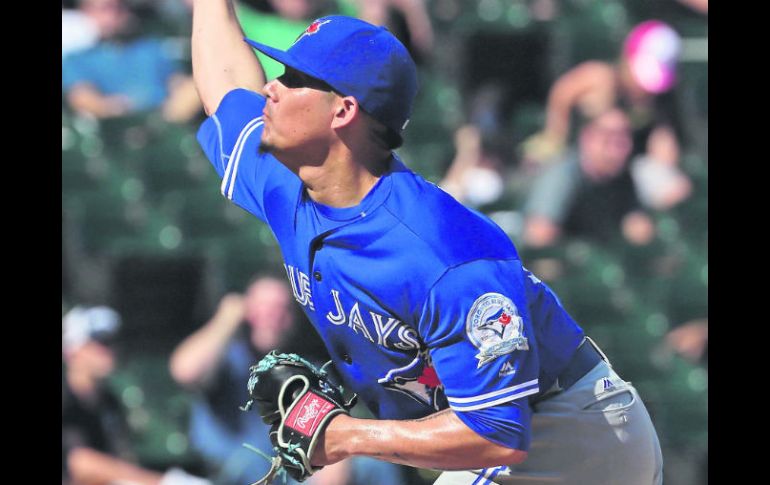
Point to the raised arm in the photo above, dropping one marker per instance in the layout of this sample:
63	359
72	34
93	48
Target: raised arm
590	86
440	441
591	78
83	97
221	60
195	359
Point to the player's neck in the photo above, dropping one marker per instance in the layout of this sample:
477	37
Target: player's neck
338	186
342	180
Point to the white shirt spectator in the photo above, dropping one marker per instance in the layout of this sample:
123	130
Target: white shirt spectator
77	31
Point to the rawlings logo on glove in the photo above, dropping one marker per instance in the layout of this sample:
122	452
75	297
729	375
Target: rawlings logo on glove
298	400
306	417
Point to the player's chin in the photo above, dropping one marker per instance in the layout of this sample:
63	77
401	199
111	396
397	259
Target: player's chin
266	147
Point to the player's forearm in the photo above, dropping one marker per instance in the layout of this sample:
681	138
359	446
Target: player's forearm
440	441
221	60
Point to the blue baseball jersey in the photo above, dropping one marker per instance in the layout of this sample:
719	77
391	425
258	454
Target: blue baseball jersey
423	303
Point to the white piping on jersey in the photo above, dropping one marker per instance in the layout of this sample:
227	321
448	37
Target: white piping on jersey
229	164
389	376
512	397
222	155
461	400
494	474
235	157
238	157
487	474
483	475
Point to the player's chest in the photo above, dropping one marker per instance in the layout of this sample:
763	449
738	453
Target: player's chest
350	281
350	303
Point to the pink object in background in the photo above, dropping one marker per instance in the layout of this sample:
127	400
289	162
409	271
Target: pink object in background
652	49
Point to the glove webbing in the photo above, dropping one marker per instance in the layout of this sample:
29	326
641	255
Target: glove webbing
271	360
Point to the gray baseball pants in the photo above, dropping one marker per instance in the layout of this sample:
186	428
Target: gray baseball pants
597	432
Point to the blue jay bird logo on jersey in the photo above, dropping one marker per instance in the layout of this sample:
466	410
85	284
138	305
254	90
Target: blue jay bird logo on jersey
495	327
497	322
418	380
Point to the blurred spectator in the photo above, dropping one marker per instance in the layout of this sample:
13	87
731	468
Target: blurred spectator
590	193
700	6
78	31
96	446
690	340
125	72
475	177
172	18
215	361
640	82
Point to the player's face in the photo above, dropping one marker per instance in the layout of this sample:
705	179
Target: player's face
297	115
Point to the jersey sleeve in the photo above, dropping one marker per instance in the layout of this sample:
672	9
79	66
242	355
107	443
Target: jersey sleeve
230	139
478	331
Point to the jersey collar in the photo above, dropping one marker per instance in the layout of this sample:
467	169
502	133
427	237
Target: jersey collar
376	196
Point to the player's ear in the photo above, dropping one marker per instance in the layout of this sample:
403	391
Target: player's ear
345	111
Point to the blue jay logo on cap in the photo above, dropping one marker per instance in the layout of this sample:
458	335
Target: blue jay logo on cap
495	327
312	29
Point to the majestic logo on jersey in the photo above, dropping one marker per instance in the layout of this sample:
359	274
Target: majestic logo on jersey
506	370
418	380
312	29
495	327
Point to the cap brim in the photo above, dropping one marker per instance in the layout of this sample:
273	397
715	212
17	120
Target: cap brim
283	57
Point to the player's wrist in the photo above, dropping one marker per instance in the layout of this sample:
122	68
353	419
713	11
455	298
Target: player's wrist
337	441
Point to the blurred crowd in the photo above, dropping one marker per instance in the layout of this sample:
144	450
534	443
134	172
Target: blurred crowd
579	126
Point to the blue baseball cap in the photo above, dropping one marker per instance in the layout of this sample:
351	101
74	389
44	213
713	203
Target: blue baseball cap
357	59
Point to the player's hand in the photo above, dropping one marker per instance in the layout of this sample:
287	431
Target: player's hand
299	402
